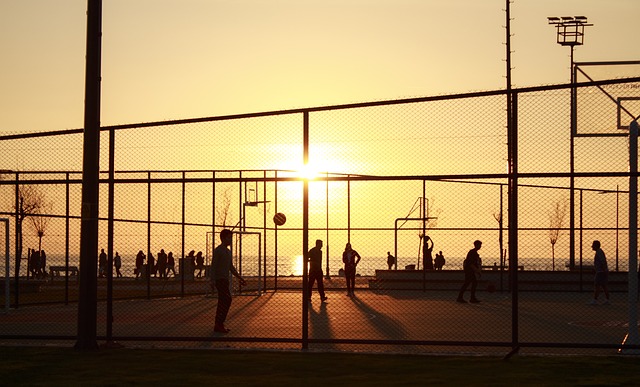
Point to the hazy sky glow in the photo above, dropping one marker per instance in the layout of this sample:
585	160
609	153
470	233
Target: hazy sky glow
171	59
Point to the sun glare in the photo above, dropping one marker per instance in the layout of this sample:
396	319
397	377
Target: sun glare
309	171
296	265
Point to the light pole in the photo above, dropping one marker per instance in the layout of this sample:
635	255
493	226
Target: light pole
570	32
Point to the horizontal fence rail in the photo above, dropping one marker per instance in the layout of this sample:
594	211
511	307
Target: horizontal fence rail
380	176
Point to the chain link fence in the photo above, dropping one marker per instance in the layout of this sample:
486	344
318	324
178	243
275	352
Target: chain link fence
380	176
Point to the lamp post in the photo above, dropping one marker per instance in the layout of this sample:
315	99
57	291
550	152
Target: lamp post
570	32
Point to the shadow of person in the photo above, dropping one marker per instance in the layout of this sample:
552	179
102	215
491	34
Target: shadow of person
385	326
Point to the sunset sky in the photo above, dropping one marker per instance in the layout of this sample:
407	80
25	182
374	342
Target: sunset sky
173	59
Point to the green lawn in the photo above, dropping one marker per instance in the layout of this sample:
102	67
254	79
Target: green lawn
35	366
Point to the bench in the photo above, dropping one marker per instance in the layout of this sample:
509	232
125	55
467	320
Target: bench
57	271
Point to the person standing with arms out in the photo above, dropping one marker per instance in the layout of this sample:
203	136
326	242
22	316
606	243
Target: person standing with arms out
350	258
472	272
221	266
314	257
602	274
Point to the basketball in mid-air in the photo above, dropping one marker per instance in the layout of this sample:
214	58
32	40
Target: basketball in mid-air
279	219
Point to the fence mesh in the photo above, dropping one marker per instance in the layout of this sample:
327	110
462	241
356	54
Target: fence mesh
381	176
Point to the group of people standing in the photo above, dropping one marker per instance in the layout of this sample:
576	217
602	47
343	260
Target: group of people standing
161	268
350	259
103	263
37	263
428	262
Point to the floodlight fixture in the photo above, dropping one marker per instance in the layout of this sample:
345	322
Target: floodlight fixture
570	29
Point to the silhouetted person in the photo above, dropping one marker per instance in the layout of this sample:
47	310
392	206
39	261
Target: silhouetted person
438	263
391	260
162	264
472	272
602	273
102	264
171	264
139	263
43	263
33	262
350	258
151	265
314	257
427	257
117	263
221	266
199	264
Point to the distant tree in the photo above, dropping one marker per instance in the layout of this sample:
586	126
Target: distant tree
31	200
556	222
40	223
223	209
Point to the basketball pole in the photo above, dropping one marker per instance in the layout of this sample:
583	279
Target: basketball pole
632	338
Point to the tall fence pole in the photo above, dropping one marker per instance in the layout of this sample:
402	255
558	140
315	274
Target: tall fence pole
87	304
7	266
305	235
632	338
513	219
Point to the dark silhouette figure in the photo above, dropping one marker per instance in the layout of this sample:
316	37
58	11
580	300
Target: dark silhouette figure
139	263
472	272
314	257
151	265
171	264
350	258
162	264
391	260
427	257
438	263
34	262
199	264
221	266
43	263
117	263
602	273
102	264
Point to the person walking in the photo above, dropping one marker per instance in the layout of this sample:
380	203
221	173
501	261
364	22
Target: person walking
199	264
117	262
171	264
221	266
350	258
314	257
472	272
602	273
